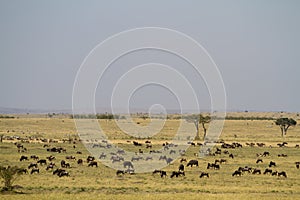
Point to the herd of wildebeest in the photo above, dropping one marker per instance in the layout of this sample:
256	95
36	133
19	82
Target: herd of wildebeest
60	167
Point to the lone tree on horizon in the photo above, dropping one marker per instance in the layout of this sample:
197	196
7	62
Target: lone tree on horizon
199	119
284	124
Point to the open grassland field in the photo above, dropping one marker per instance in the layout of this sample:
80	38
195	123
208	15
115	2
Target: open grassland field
102	182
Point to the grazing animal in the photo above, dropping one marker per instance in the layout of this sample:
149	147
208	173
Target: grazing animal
50	166
163	174
297	164
35	170
70	158
31	165
237	173
93	163
90	159
42	162
50	158
231	156
282	155
128	164
213	165
34	157
120	172
80	161
174	173
203	174
169	160
61	172
172	151
193	162
23	158
103	155
272	164
268	171
156	171
256	171
259	160
181	167
266	153
183	160
282	174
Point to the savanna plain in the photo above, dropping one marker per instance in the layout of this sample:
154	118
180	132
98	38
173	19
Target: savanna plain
36	133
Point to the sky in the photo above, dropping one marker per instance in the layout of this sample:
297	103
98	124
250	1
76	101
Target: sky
255	45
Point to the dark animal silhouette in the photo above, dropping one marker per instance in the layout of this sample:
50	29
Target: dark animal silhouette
35	170
93	163
128	164
23	158
272	164
203	174
177	174
268	171
193	162
181	167
237	173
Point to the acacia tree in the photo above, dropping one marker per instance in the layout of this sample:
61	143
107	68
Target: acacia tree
199	119
284	124
9	175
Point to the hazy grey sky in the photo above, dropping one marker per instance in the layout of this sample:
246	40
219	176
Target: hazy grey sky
255	44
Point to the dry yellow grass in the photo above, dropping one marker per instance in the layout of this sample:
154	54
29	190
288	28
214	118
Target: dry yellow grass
102	183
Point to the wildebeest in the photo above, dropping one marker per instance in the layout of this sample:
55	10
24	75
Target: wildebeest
183	160
297	164
163	174
179	173
256	171
35	170
42	162
169	160
118	172
90	159
266	153
213	165
181	167
282	174
272	164
61	172
93	163
149	158
156	171
136	143
121	151
80	161
231	156
237	173
259	160
23	158
34	157
50	158
172	151
163	158
136	158
193	162
50	166
31	165
103	155
70	158
282	155
128	164
203	174
268	171
64	164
